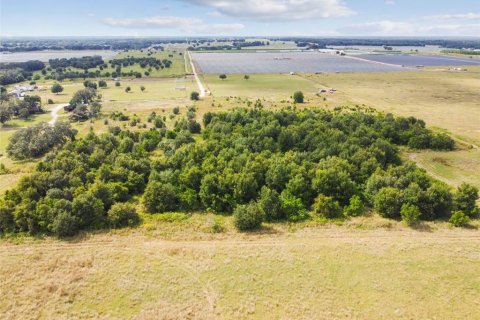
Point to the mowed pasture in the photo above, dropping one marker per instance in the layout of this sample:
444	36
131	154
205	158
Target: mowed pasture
312	273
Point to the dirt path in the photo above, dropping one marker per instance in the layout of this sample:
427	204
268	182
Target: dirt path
54	113
197	78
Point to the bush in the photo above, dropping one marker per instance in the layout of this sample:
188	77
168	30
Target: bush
223	76
65	225
465	199
270	204
194	96
326	207
159	198
298	97
388	202
248	217
292	207
176	110
355	207
50	101
102	84
410	214
459	219
117	84
123	215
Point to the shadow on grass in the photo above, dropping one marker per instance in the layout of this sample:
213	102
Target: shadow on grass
422	226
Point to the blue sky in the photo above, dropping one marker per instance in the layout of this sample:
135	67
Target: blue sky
240	17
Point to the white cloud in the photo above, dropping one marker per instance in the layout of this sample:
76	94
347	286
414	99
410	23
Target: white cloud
186	25
408	28
390	2
462	16
214	14
278	10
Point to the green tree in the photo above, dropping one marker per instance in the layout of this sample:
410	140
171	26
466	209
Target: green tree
128	89
194	96
142	88
160	197
388	202
270	204
102	84
298	97
56	88
246	77
464	200
222	76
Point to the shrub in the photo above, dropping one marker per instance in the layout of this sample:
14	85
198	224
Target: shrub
50	101
176	110
123	215
128	89
194	96
459	219
102	84
355	207
223	76
292	207
410	214
159	198
270	204
326	207
388	202
298	97
248	217
65	225
117	84
465	199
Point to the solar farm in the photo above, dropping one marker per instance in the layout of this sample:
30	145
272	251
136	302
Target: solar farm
313	62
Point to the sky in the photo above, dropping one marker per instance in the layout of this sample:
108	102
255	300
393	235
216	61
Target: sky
342	18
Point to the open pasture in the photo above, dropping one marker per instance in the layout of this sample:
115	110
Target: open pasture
283	62
178	270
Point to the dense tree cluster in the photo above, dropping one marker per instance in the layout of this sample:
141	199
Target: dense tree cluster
35	141
84	63
12	107
142	61
16	72
259	165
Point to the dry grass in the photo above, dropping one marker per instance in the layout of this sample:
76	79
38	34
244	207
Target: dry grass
178	270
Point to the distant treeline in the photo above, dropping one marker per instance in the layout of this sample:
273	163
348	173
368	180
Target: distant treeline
80	63
236	45
322	43
15	72
465	52
143	62
21	45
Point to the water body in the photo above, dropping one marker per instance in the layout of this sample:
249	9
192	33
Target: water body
44	56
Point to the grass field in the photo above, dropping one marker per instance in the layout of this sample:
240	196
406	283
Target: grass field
179	270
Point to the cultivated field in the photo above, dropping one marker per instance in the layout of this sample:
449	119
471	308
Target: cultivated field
166	270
